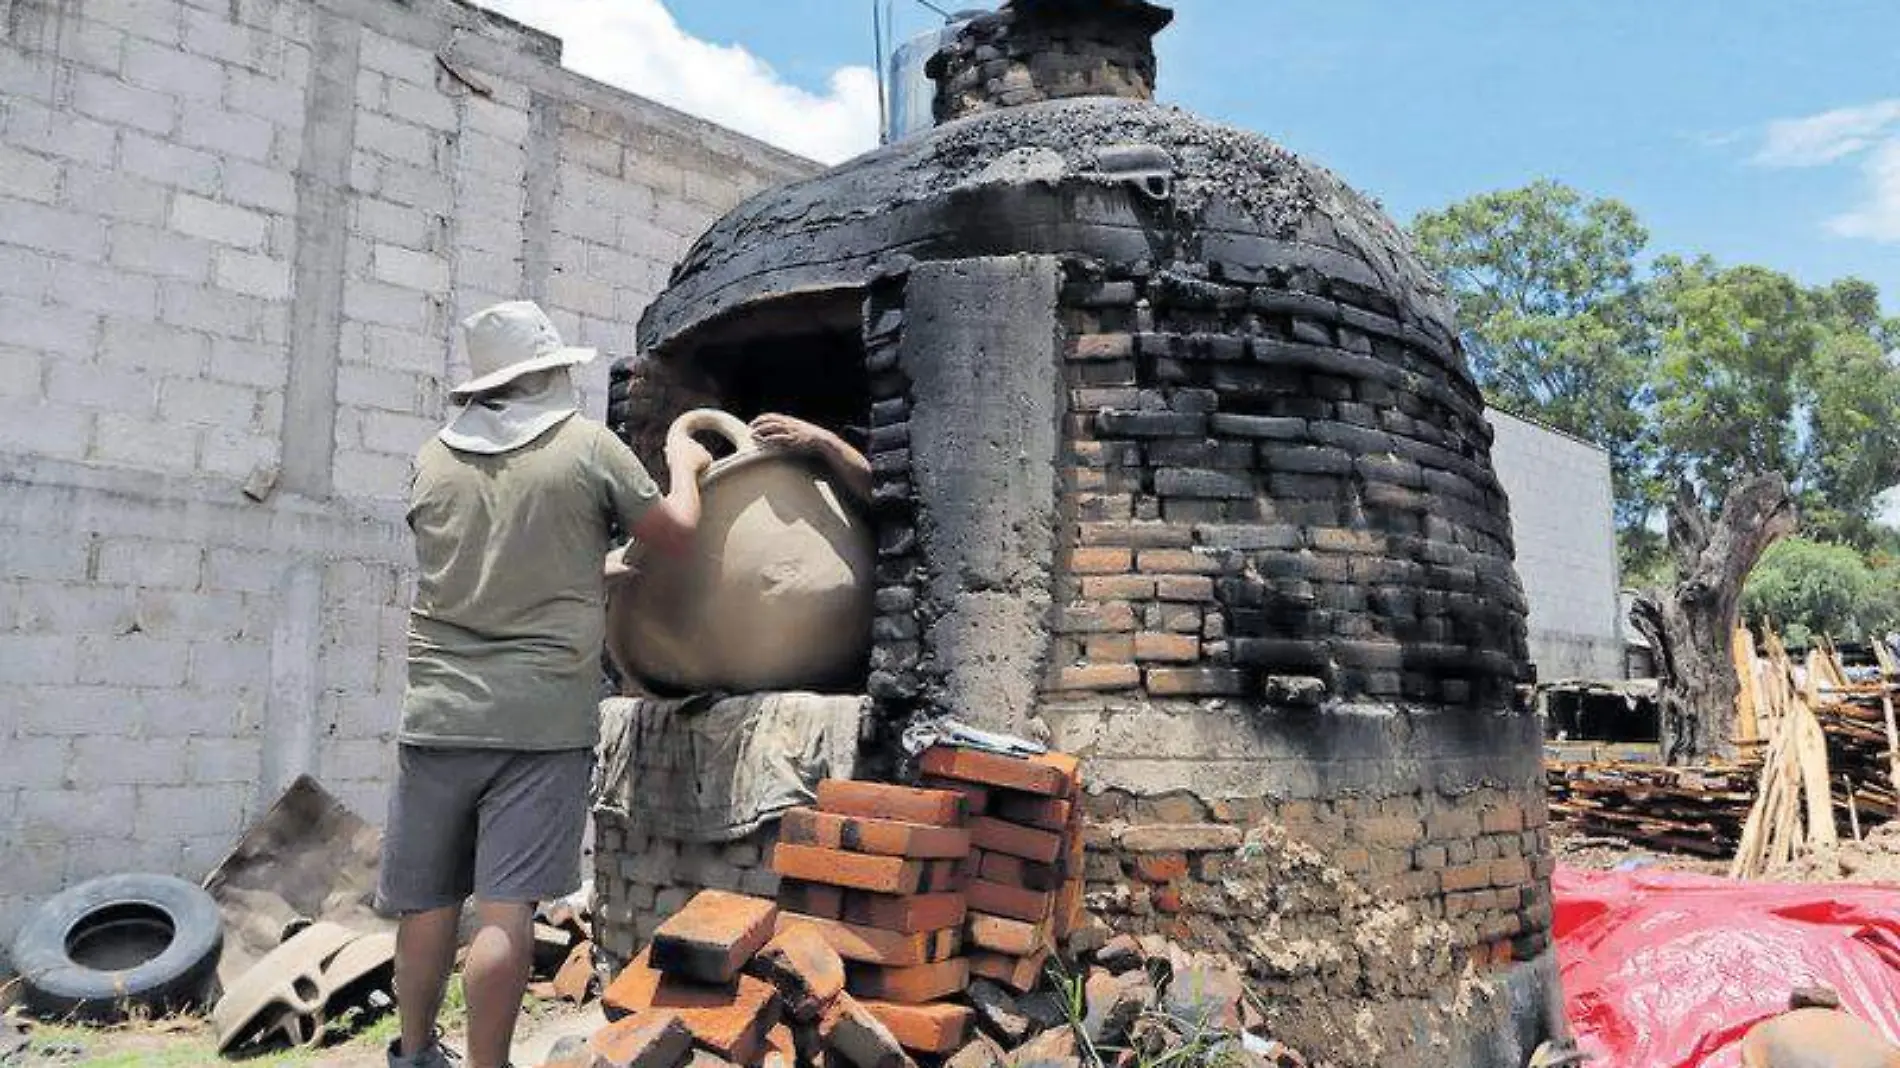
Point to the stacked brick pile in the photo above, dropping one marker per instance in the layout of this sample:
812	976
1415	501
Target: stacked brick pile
1025	893
877	871
725	984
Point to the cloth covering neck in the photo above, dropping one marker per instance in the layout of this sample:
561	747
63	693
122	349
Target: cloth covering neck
495	424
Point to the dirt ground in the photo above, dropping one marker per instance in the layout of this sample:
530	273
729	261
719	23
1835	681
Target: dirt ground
1874	859
188	1042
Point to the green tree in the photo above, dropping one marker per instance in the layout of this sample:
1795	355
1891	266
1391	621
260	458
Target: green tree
1552	316
1758	373
1804	588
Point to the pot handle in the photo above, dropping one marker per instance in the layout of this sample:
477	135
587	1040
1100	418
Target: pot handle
713	421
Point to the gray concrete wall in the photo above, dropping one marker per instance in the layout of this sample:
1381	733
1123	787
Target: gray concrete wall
1563	523
234	242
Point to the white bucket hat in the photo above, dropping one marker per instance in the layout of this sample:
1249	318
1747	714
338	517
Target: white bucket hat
511	339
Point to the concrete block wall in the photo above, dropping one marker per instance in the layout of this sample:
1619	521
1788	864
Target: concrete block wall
1563	522
234	242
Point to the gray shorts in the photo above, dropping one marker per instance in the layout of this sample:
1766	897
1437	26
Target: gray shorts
501	824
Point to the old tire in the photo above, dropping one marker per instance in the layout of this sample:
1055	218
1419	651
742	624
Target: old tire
98	950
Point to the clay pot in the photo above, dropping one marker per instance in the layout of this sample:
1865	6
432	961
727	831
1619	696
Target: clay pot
775	592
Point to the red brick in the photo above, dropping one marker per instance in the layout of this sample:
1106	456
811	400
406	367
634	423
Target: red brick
1029	843
1048	774
1011	901
864	834
999	934
1178	561
1166	899
1100	617
1193	588
1097	677
920	912
1161	867
713	936
730	1019
1170	648
1071	912
859	1038
803	967
1511	872
1049	813
1465	877
648	1040
846	797
1109	648
870	945
935	1028
781	1048
1020	974
1101	561
1015	871
1103	347
909	986
1504	819
812	899
1180	838
1117	588
859	871
976	799
1193	682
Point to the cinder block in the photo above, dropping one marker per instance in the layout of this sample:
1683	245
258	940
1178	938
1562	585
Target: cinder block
168	163
214	221
40	763
105	97
228	133
113	761
713	936
72	814
51	230
131	660
149	562
186	811
396	140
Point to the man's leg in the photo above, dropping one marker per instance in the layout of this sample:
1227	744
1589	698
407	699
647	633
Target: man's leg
528	850
425	952
495	976
428	869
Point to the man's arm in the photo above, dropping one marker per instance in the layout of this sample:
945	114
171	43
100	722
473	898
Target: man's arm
668	526
848	464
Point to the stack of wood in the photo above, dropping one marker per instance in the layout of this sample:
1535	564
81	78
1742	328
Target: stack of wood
1819	759
1686	810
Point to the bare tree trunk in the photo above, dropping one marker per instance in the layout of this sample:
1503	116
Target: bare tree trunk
1690	628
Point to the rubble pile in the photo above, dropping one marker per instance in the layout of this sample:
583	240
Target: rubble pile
941	923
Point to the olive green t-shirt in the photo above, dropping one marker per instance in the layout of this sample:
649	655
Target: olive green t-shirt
510	610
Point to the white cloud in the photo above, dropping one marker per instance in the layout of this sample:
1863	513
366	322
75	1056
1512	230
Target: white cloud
636	45
1829	136
1871	131
1878	217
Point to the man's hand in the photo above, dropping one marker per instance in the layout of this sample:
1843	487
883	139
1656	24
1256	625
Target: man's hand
686	456
784	432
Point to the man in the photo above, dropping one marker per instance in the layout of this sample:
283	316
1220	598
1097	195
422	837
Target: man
511	509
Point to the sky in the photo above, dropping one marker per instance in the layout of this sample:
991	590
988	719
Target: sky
1757	131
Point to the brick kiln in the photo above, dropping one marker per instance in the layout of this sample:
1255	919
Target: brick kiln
1180	467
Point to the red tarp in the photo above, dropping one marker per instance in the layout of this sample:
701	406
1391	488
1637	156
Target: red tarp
1666	970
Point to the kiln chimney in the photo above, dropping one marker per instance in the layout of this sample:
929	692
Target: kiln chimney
1035	50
